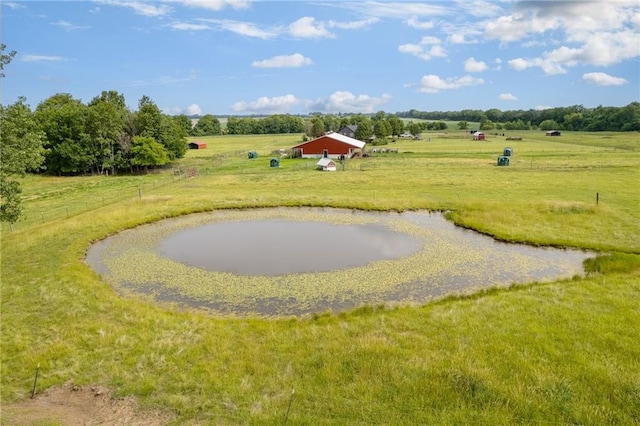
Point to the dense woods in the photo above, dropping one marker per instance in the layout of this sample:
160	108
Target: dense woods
577	118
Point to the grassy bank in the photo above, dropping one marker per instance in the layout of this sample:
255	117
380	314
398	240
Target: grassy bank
564	352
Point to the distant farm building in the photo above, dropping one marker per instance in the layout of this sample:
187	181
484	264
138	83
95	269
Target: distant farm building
327	164
478	136
197	145
349	130
332	145
553	133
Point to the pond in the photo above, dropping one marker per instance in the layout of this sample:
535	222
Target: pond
297	261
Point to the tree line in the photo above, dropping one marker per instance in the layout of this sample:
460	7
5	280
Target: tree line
573	118
64	136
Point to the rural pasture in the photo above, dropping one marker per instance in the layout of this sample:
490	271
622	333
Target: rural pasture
561	352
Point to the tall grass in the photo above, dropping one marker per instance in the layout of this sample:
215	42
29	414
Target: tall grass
556	353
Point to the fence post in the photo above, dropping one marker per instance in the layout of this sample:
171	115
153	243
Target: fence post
289	408
35	382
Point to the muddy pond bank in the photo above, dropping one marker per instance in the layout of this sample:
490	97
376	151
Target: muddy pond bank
296	261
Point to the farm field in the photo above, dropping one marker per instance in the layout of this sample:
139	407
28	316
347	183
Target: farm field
556	353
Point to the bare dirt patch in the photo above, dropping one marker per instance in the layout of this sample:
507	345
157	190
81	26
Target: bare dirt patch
72	405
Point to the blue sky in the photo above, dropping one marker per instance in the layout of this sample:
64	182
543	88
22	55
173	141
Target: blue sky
265	57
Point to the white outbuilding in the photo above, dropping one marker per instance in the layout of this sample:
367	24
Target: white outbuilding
326	164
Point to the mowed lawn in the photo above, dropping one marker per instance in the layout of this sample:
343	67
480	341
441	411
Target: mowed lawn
555	353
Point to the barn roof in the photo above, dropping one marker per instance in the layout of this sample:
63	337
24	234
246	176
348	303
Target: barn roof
341	138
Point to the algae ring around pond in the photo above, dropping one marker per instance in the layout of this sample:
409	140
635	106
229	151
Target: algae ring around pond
296	261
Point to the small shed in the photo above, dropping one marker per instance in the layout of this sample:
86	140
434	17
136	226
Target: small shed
274	162
507	152
197	145
503	160
326	164
253	154
553	133
478	136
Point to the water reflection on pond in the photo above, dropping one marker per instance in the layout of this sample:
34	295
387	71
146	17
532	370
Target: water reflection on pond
290	261
278	247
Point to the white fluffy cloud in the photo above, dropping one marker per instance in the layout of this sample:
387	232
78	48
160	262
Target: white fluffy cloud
507	97
68	26
41	58
139	7
602	49
307	27
591	32
433	84
189	27
414	22
398	10
471	65
214	4
265	105
193	109
340	101
246	29
427	48
283	61
344	101
352	25
602	79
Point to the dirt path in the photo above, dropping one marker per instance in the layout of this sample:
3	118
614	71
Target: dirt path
71	405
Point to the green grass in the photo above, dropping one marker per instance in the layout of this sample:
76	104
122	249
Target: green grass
556	353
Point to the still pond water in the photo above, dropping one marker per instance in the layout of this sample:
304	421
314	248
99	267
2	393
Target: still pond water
299	261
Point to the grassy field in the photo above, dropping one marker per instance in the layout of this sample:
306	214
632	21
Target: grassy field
557	353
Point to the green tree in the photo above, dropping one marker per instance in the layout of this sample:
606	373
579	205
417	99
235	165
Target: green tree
486	124
150	122
365	127
207	125
627	118
549	125
317	126
331	123
5	58
105	126
63	120
148	118
173	138
146	152
463	125
397	125
21	150
382	129
415	128
184	122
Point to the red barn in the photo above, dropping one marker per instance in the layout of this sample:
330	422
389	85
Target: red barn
197	145
331	145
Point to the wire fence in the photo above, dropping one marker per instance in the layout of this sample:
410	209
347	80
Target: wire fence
42	208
